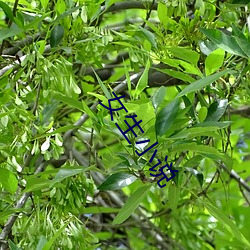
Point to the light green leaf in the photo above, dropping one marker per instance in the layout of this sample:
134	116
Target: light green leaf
158	97
173	196
143	81
202	114
132	203
8	180
34	183
70	101
49	244
214	61
66	172
104	89
186	54
177	74
162	12
98	210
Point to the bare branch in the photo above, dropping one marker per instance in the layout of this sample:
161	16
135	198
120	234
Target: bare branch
236	177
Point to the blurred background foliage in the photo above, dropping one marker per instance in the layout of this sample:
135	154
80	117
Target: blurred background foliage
68	178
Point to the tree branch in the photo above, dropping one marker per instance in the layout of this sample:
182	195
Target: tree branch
236	177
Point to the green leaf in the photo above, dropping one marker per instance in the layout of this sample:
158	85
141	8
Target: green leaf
186	54
227	223
9	32
166	117
104	89
49	244
70	101
214	61
49	110
216	110
66	172
44	3
193	132
132	203
7	10
8	180
99	210
173	196
9	211
162	12
197	85
13	246
56	35
147	35
177	74
202	114
223	41
219	125
34	183
41	243
143	81
158	97
117	181
198	175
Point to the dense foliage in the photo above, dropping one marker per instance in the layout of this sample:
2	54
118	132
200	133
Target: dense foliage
68	177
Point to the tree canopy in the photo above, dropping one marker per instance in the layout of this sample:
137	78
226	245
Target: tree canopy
167	166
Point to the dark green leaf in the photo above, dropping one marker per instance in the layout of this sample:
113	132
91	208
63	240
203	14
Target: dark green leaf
216	110
117	181
198	175
245	2
166	117
13	246
7	10
223	41
56	35
197	85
